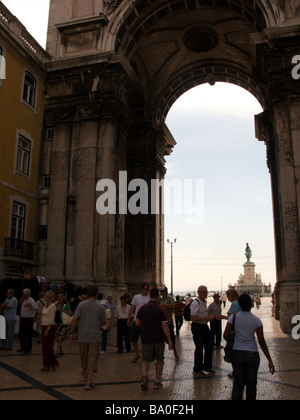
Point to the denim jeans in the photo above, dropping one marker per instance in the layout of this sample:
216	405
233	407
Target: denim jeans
245	369
178	322
203	341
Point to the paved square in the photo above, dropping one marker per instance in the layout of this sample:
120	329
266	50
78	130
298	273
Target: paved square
119	379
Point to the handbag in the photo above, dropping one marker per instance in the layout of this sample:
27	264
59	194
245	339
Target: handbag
66	319
229	346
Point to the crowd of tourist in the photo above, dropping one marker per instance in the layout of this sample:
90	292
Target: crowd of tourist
149	315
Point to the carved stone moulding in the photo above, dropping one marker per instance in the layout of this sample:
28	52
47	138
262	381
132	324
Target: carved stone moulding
81	34
201	39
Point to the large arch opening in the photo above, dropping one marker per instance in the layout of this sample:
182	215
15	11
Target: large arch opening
175	46
215	135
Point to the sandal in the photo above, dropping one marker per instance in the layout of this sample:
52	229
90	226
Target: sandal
135	359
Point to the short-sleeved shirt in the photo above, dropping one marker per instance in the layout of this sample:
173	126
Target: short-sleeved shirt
199	308
235	307
179	307
168	301
90	314
138	301
215	309
11	313
152	315
246	325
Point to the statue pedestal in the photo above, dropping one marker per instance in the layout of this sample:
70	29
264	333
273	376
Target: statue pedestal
249	273
251	282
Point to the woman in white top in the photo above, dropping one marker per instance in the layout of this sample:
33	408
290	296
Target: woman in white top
48	333
246	359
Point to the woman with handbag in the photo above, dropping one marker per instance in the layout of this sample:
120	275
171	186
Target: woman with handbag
245	356
63	321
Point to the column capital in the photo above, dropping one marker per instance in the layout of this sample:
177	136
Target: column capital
275	53
148	145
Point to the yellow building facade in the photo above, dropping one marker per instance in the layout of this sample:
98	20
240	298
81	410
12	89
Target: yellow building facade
21	120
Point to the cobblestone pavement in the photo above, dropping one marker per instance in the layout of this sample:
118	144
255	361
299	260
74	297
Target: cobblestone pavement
119	379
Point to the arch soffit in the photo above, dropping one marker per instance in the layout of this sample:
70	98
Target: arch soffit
196	75
134	20
128	16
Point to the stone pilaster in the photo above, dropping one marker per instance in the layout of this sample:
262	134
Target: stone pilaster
89	144
144	246
283	131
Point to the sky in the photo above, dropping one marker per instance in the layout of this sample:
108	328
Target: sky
214	131
215	135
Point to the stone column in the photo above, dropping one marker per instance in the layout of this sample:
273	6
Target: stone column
108	267
57	220
276	54
286	121
144	239
89	144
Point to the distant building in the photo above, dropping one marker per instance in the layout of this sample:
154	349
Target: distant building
22	87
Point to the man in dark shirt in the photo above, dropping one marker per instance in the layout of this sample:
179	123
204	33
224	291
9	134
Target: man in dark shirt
153	319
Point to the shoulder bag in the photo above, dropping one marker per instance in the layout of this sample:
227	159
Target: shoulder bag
229	346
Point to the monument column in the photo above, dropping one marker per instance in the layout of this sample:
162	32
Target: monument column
276	52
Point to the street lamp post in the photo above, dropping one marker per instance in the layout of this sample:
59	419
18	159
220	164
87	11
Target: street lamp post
172	278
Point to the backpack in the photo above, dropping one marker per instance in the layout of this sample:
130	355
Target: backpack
187	311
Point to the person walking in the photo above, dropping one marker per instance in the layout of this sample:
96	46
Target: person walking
113	307
179	307
10	307
135	331
28	313
258	301
123	330
215	309
168	303
63	311
152	319
90	315
106	328
48	333
201	334
246	359
224	300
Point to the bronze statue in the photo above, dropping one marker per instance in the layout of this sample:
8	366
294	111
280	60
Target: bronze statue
248	252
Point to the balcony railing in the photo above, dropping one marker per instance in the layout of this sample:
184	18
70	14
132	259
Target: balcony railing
20	249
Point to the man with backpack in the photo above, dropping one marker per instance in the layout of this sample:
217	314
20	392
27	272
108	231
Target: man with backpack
201	334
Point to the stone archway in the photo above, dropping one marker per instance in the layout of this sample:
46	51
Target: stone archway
116	68
178	45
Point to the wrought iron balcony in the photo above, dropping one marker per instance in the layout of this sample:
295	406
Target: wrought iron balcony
17	248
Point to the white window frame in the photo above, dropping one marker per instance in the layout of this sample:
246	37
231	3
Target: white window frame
31	89
17	168
20	217
23	155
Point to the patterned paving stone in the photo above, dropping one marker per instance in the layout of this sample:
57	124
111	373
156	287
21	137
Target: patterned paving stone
118	379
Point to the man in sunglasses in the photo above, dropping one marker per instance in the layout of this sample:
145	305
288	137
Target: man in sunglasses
137	302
